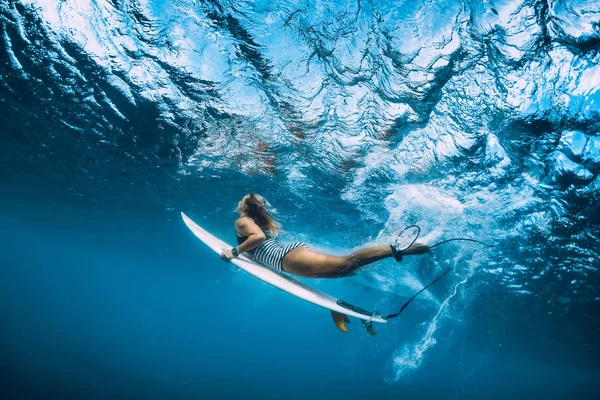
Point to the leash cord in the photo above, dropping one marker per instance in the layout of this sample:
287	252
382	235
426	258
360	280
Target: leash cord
441	275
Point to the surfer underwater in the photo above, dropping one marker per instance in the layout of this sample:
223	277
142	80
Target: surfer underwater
256	232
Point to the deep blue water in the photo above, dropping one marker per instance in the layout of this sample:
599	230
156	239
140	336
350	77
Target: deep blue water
354	119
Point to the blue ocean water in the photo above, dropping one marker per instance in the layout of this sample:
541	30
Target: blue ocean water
354	119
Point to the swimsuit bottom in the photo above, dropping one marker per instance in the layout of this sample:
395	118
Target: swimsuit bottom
271	252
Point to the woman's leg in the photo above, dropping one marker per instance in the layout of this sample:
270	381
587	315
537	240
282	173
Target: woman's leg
305	262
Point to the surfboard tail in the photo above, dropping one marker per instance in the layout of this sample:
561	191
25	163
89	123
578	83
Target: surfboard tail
341	319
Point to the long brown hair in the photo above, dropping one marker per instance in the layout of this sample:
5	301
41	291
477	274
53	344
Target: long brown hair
256	209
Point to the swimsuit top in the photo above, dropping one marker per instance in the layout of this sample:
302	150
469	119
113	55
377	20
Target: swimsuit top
242	239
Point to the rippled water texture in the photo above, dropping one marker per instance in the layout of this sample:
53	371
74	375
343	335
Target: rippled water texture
354	118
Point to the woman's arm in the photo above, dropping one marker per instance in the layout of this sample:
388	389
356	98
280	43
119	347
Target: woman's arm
246	227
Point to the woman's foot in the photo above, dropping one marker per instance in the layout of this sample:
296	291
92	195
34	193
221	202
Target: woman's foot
415	248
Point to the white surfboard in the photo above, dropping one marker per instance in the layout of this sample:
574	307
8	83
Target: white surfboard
281	280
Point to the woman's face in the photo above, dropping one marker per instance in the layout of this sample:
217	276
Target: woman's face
241	205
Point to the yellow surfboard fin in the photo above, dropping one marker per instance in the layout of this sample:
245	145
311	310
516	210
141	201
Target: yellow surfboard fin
339	320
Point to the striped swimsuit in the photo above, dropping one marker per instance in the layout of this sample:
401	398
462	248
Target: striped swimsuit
271	251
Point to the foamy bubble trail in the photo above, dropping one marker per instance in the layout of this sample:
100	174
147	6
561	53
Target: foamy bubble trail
441	216
411	356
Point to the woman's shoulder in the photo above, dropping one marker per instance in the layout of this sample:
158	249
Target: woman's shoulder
243	221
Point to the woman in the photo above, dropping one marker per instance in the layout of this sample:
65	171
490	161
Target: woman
256	234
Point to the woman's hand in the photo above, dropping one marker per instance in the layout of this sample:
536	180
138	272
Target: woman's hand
227	256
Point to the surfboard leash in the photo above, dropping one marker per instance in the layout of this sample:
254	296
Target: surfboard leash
369	324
